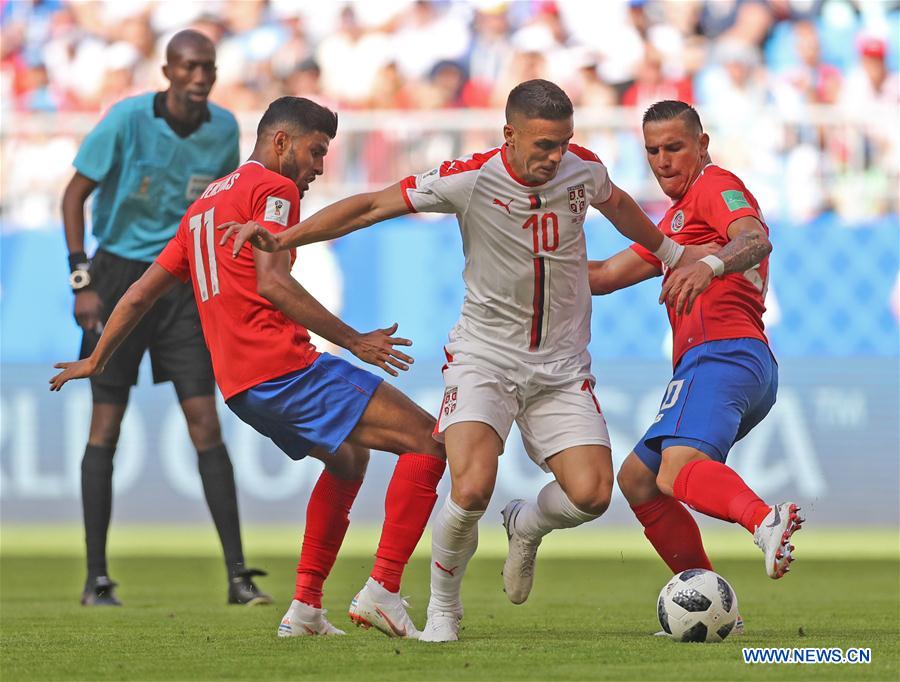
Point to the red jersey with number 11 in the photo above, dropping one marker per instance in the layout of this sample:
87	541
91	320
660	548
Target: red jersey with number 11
733	305
249	339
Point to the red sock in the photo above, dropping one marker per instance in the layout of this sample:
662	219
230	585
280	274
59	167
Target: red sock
673	532
715	490
408	503
327	518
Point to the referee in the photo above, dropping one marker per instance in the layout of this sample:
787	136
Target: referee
148	159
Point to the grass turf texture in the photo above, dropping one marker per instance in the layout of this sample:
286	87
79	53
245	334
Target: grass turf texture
589	617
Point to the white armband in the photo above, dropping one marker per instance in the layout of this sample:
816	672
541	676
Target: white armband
669	252
716	263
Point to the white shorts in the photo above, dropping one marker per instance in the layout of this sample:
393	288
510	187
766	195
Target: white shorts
553	403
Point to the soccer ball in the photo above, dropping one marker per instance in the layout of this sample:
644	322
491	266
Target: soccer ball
697	606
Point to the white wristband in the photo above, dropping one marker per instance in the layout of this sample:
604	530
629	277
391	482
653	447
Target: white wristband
716	263
669	252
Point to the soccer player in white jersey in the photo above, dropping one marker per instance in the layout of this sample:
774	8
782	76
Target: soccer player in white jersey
519	350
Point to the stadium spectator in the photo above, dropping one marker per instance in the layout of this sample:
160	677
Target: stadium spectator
363	52
147	158
652	85
350	59
869	86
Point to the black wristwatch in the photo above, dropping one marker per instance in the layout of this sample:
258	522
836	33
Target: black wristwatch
80	277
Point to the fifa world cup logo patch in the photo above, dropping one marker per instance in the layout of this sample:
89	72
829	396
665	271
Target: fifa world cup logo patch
277	210
448	405
577	201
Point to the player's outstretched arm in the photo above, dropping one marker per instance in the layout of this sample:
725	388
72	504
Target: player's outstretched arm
628	218
747	245
275	284
139	298
619	272
340	218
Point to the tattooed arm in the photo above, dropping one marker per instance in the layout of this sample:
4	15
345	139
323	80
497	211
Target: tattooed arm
747	245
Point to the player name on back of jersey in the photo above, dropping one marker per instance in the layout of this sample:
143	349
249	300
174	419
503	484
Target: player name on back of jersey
222	185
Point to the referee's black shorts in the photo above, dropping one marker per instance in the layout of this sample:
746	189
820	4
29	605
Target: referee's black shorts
170	331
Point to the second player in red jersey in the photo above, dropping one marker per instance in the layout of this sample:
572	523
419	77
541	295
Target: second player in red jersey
255	318
237	321
725	378
732	306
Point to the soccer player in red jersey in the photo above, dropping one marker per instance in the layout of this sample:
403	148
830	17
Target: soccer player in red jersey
725	377
255	318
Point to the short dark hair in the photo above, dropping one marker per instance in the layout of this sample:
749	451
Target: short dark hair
670	109
187	38
538	99
301	113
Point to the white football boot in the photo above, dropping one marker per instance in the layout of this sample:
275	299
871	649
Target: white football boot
442	625
518	570
773	537
303	620
374	606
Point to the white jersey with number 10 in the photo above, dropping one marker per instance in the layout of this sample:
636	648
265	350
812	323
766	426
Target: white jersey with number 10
526	276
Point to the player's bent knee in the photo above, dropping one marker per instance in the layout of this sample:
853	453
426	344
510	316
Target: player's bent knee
423	443
636	481
471	497
350	462
594	501
665	483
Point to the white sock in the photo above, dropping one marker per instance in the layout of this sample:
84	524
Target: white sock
453	542
552	510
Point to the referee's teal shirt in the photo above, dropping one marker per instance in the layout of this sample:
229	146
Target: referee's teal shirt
148	175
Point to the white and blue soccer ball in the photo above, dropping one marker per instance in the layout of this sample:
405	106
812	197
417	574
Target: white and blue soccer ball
697	605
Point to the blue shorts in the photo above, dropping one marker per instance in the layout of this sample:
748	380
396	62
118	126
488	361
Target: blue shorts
318	405
720	391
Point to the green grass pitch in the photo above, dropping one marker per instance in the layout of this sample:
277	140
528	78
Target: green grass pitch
589	618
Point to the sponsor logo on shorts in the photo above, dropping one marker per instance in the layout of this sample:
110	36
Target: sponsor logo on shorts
448	406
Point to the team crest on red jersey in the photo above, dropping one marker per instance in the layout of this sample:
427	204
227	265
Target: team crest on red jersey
577	201
677	221
448	405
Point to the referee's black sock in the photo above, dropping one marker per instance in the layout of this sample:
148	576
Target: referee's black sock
96	503
217	476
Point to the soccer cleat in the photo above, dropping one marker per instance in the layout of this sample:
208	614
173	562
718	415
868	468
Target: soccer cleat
242	589
374	606
773	537
442	625
518	570
303	620
100	591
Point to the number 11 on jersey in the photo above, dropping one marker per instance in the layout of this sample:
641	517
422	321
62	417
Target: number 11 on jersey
197	225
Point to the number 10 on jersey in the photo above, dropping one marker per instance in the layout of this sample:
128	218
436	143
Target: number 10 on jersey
546	238
200	223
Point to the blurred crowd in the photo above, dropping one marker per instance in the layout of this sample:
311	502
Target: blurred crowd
738	60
